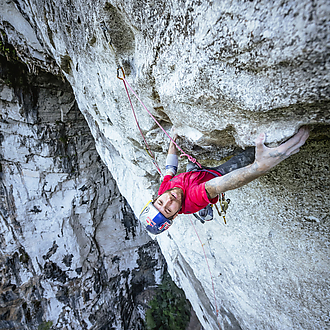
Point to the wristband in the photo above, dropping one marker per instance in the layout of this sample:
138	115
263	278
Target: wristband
172	160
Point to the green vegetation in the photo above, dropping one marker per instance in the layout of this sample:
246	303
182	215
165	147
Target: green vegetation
45	325
64	139
7	50
169	309
11	71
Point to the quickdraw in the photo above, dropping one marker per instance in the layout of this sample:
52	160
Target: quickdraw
223	202
224	206
123	72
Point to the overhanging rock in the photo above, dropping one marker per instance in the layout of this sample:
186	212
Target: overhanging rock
222	72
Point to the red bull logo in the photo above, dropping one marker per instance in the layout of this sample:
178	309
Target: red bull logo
150	222
164	226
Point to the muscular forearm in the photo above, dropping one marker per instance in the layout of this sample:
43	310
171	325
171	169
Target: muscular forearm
266	158
171	149
171	160
233	180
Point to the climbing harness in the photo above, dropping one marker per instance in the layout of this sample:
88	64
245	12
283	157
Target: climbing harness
123	78
206	214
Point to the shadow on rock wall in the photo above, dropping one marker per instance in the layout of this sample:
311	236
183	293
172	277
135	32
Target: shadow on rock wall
56	196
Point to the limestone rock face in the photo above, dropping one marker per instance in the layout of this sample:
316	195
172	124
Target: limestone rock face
221	72
73	254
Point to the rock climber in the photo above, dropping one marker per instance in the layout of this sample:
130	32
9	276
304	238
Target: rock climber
192	191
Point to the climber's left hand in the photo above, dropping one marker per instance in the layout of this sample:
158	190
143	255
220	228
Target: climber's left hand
174	133
266	158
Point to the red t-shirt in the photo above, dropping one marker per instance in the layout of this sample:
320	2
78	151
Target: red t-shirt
193	186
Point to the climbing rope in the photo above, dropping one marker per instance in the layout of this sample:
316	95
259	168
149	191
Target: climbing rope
137	123
109	42
123	78
208	266
193	160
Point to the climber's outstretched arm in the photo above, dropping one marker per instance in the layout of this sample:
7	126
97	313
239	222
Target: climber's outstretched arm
172	158
265	159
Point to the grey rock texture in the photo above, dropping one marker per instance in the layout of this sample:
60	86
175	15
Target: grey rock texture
73	255
221	72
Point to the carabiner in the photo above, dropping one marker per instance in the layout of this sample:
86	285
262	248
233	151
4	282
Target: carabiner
122	70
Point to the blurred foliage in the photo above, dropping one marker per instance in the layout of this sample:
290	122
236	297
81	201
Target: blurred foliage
7	49
169	309
45	325
10	65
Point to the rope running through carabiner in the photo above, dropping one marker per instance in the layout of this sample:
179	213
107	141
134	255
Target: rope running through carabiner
137	123
193	160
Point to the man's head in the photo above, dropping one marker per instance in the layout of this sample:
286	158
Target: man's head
157	215
169	203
